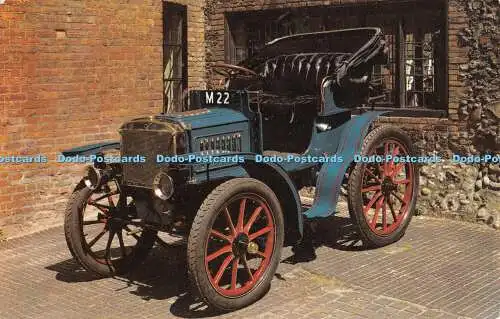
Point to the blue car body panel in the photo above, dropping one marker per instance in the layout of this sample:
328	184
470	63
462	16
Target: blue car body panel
204	118
92	149
332	174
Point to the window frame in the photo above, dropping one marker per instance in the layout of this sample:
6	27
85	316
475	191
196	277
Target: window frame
170	8
362	12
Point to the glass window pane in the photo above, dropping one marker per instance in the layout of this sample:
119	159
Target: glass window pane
174	53
174	98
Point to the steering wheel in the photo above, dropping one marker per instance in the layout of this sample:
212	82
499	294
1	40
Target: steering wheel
231	71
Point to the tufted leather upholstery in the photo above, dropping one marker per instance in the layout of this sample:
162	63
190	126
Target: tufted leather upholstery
299	74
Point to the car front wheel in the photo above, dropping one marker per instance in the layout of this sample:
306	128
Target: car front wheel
235	243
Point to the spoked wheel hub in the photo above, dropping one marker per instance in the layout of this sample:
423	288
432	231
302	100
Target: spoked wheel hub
116	224
240	244
388	186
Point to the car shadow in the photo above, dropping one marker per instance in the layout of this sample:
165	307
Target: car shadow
336	232
164	274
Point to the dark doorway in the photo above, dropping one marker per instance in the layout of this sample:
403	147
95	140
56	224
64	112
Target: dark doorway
174	57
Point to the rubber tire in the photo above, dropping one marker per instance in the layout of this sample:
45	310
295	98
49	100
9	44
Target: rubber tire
199	234
373	139
75	239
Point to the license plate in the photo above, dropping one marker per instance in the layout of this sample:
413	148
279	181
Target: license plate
210	98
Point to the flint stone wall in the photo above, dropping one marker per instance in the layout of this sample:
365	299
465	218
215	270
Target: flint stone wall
464	191
460	191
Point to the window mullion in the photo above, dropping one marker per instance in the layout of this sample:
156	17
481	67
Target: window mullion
400	64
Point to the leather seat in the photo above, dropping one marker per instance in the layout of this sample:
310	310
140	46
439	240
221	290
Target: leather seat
299	74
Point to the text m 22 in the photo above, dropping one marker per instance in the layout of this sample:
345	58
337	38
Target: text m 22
217	98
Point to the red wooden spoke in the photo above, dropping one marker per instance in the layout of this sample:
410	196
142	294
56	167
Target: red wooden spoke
386	152
110	201
394	215
372	174
394	153
407	198
371	188
229	221
249	271
261	232
96	239
384	215
234	273
101	207
221	235
222	268
397	169
380	171
373	224
241	215
398	197
222	251
372	201
252	219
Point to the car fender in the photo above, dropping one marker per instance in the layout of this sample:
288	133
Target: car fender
270	174
282	185
91	149
332	174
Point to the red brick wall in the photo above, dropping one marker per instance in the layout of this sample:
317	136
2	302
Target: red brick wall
458	55
70	73
196	39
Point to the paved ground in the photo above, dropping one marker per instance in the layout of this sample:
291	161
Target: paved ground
440	269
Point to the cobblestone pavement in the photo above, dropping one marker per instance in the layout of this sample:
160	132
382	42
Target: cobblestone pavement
440	269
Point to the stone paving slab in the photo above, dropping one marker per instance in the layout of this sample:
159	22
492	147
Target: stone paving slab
440	269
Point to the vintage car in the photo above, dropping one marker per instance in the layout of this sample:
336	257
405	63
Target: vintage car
224	176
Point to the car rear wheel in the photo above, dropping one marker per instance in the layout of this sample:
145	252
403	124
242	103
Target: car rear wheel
382	194
234	246
100	236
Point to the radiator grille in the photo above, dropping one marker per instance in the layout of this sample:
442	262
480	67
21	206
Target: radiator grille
147	144
222	143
